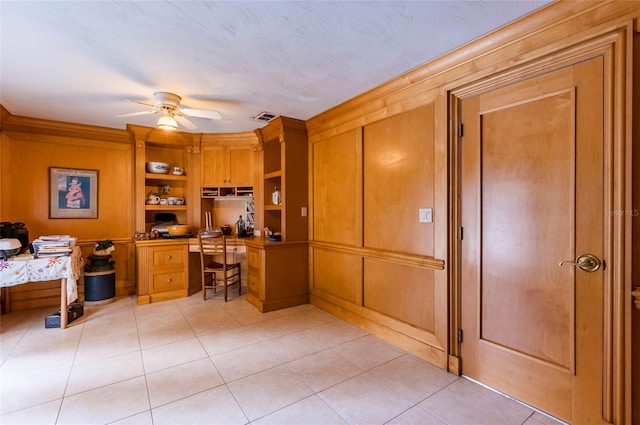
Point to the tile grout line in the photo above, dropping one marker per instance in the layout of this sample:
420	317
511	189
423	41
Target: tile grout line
521	403
73	361
433	394
224	381
144	370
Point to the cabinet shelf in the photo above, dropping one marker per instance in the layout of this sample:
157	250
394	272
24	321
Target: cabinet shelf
229	193
284	157
229	198
154	176
273	175
165	207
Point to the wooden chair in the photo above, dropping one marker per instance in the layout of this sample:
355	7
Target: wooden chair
217	271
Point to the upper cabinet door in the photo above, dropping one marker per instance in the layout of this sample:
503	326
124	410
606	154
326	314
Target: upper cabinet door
215	168
241	165
225	165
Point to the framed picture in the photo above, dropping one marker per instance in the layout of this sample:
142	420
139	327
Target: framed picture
73	193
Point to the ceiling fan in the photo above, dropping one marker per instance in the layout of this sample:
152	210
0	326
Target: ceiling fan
168	105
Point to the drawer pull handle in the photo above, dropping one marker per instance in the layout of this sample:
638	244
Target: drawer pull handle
169	257
169	280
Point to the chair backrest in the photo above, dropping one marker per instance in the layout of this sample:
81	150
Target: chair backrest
213	245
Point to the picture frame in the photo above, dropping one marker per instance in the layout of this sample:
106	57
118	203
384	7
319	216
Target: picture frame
73	193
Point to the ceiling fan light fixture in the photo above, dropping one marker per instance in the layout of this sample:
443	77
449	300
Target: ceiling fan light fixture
167	122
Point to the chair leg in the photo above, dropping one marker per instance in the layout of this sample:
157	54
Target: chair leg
225	287
239	281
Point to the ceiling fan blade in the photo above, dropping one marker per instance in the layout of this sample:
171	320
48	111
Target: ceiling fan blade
135	114
212	115
185	122
151	105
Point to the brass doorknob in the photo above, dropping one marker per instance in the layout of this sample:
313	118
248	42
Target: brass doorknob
585	262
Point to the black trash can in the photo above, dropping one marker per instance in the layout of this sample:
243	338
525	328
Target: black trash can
99	280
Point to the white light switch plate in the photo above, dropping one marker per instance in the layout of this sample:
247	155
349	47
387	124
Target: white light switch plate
426	215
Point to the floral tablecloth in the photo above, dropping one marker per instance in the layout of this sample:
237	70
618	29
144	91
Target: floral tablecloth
25	268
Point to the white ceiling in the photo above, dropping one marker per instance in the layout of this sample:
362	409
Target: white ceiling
79	61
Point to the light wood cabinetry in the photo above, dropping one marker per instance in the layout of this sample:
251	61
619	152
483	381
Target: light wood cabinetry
228	173
278	271
178	188
276	274
162	265
227	160
162	270
283	145
177	149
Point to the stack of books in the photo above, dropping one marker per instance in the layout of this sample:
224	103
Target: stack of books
55	245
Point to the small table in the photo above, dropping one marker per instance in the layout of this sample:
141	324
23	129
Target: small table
27	268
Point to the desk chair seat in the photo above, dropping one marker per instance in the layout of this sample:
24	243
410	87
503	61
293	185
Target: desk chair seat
217	271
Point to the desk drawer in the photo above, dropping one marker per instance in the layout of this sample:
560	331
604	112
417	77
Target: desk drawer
170	281
169	256
254	284
254	258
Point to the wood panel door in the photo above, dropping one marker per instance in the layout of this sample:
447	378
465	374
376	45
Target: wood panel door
241	165
215	170
531	193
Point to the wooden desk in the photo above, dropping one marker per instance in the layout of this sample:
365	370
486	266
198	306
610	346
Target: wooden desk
278	274
170	268
26	268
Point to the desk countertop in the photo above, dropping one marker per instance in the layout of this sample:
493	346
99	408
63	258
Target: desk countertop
184	241
258	242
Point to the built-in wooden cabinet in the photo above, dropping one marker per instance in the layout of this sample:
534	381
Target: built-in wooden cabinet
278	271
177	187
162	265
277	274
283	153
178	150
162	270
226	164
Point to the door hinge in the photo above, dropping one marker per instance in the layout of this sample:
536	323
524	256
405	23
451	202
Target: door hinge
635	296
460	335
460	233
460	130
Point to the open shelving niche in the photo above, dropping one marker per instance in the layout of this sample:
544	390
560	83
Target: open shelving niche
178	150
213	194
283	159
178	188
272	163
278	271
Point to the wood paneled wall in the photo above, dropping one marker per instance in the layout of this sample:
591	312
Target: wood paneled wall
337	189
28	148
371	255
373	264
398	181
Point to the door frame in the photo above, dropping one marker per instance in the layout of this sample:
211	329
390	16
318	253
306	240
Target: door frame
616	48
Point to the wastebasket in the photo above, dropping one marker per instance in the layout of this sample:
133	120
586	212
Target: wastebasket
99	280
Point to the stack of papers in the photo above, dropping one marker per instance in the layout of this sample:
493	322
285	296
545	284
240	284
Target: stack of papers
55	245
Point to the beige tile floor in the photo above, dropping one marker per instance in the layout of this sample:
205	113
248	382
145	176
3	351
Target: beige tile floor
191	361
